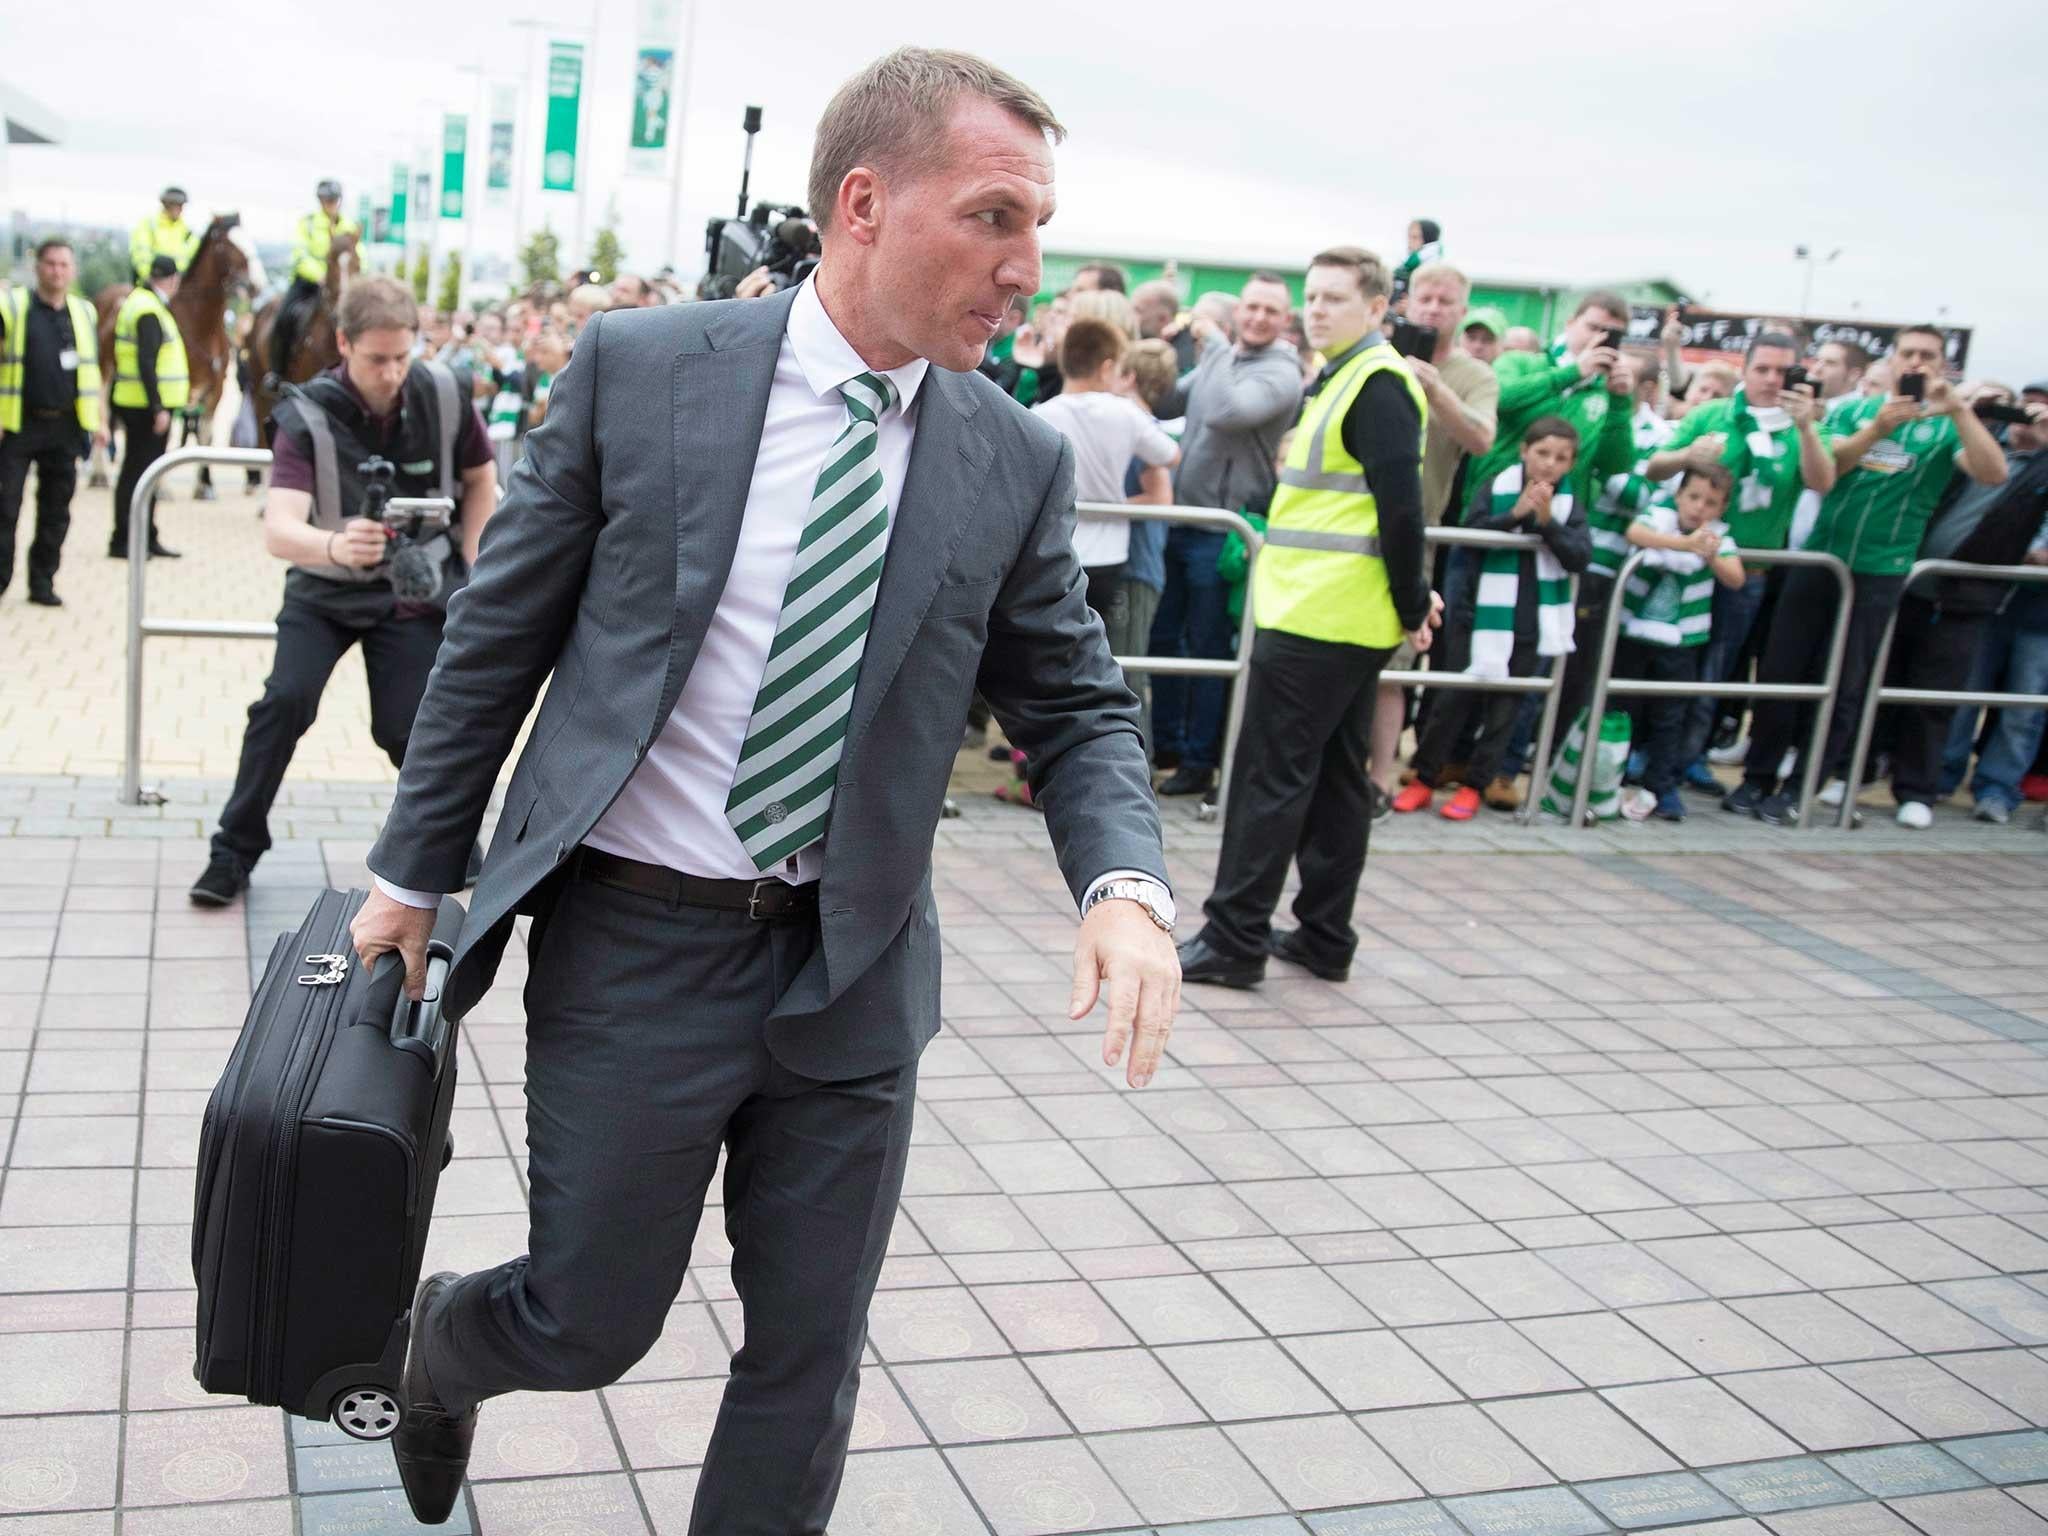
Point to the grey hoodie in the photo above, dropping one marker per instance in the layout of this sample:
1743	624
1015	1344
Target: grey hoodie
1238	406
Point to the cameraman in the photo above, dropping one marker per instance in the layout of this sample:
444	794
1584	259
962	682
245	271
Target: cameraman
373	428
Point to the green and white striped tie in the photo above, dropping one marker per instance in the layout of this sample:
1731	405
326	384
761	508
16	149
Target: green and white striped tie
782	789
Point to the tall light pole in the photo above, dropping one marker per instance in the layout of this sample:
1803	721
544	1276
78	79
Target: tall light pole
1804	255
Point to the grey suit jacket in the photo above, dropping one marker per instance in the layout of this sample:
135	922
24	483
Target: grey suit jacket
603	566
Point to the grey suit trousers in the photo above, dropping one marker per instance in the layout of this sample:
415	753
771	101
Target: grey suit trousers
644	1055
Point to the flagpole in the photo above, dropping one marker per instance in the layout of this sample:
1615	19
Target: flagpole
583	115
677	114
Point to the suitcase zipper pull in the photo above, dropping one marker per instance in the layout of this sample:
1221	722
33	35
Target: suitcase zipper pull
334	973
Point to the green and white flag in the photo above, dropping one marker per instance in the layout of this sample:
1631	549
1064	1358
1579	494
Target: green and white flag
454	155
498	153
654	88
565	107
401	185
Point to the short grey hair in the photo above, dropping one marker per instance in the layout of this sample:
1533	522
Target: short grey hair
890	117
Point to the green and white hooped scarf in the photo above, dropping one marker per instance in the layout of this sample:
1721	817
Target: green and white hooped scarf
1500	581
1754	447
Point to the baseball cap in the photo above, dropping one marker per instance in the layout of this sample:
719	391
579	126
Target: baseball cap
164	266
1486	317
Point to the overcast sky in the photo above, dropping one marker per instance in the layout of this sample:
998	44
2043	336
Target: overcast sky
1581	141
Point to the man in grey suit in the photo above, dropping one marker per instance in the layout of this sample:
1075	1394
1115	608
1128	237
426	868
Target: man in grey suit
768	549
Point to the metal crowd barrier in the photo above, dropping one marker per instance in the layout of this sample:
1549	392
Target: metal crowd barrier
1234	670
1877	695
1238	669
1821	693
141	627
1551	687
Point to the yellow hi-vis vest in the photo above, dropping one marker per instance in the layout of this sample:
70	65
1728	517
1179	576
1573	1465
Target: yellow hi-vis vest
158	236
173	383
316	236
1320	574
85	331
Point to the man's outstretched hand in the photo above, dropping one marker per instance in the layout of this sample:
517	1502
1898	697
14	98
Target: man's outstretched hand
1121	954
385	925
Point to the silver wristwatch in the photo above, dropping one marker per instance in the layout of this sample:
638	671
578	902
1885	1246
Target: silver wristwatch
1149	894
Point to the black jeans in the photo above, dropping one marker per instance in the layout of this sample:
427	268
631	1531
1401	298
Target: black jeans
1797	652
1933	647
645	1054
399	654
1660	726
1454	716
51	446
140	448
1298	793
1596	593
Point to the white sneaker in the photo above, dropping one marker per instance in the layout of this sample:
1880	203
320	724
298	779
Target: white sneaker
1831	792
1730	756
1916	815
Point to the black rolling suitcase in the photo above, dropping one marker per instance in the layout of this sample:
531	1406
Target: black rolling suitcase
318	1160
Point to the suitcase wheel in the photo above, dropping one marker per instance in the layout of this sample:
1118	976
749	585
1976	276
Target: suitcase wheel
366	1413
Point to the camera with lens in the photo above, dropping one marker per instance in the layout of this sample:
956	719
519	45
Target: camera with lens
778	236
418	532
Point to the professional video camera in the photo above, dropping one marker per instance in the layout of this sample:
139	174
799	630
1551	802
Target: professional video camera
733	247
417	528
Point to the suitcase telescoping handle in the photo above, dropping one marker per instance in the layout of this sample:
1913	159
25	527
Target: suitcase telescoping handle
415	1027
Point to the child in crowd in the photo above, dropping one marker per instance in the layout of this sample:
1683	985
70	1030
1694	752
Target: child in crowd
1669	607
1518	611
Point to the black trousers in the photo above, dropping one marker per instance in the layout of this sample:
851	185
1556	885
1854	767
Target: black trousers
1596	594
1298	794
140	447
51	447
1933	647
1453	718
1797	652
399	654
645	1056
1659	725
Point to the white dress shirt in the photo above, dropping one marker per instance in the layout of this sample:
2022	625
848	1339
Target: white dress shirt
672	811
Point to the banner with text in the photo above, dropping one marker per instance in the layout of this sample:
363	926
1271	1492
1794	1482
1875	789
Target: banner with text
565	106
454	158
1713	335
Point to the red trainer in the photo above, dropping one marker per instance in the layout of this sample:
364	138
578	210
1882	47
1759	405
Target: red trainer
1415	796
1462	806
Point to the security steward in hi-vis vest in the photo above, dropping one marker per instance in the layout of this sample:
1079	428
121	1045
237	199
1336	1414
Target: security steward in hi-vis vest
150	385
1337	585
49	410
377	429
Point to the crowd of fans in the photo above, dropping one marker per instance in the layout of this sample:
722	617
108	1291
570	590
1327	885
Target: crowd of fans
1601	447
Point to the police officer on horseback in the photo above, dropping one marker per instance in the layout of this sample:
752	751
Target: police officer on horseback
351	448
164	233
313	239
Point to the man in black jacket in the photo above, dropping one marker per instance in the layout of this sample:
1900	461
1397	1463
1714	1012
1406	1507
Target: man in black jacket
1942	621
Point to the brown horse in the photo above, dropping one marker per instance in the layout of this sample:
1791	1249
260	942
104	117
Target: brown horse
217	273
315	349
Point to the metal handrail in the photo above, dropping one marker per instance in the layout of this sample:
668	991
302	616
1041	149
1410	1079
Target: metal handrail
1551	687
141	627
1821	693
1237	670
1878	695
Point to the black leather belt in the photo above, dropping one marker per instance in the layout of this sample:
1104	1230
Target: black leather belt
767	900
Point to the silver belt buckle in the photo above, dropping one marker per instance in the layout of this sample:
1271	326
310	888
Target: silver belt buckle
754	900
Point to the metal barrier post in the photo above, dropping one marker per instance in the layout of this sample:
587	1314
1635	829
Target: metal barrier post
141	628
1821	693
1237	671
1877	694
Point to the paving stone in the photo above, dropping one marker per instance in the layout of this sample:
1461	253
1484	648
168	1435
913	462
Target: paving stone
1636	1502
1536	1512
1698	1422
1903	1470
1767	1487
1452	1450
1981	1512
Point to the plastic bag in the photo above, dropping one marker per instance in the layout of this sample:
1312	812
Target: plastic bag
1610	762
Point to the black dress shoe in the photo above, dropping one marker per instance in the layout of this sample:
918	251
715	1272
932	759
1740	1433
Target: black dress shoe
223	881
1200	962
118	548
1286	945
45	597
162	551
1189	781
430	1445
